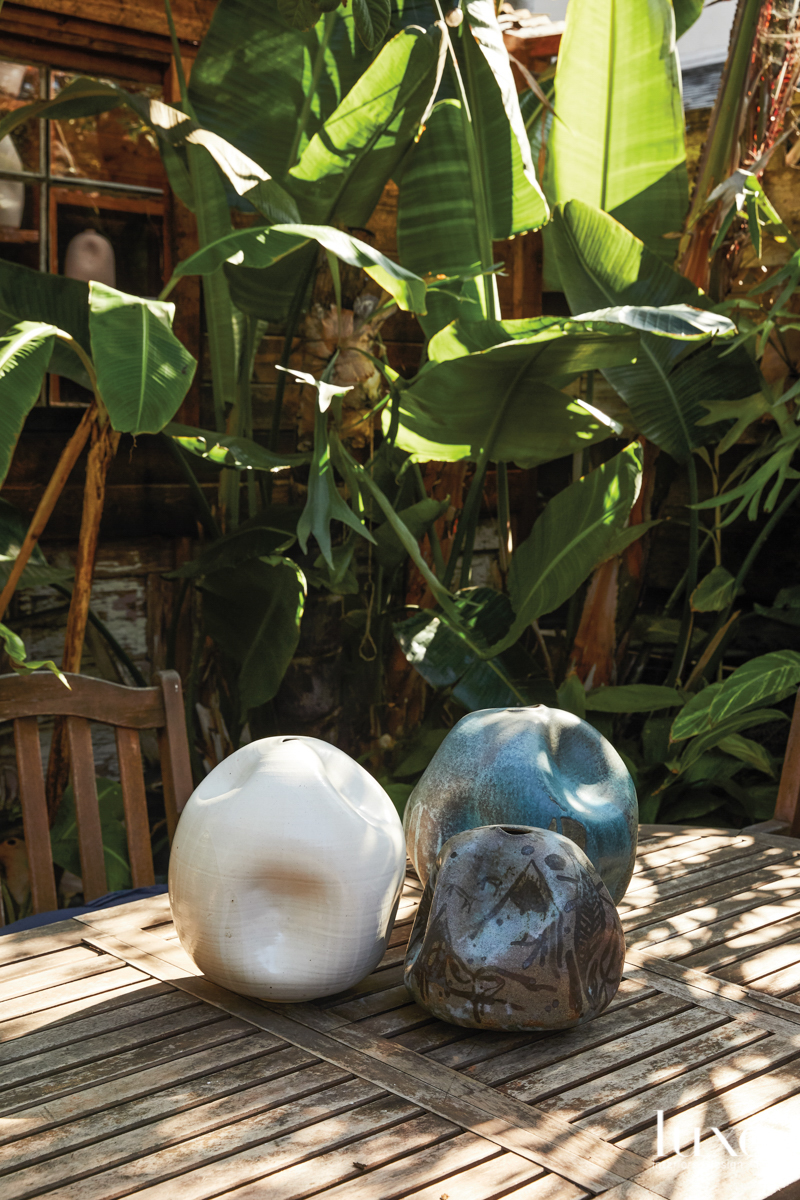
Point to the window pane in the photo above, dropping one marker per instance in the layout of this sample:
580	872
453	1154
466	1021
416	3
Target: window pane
19	151
114	146
19	223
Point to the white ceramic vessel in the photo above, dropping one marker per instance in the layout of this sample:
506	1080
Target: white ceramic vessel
286	870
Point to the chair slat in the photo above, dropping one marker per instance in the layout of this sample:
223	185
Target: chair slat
131	776
34	814
174	750
87	811
787	807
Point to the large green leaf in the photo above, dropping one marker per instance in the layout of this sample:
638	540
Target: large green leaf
619	141
470	179
344	168
417	518
770	677
253	614
573	535
25	351
602	264
261	246
372	20
724	729
64	838
143	371
27	295
445	661
229	451
686	13
254	71
516	202
500	401
633	697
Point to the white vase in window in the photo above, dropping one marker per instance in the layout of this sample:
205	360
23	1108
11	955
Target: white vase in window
90	256
12	193
286	870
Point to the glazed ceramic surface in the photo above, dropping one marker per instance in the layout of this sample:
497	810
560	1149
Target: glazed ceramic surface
286	871
516	930
528	766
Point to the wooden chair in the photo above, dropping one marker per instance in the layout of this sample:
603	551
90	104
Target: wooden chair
24	699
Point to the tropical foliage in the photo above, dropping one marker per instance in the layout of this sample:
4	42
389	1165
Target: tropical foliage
297	116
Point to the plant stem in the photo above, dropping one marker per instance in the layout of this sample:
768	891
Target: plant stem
685	632
123	656
316	71
762	537
55	486
433	536
204	513
291	325
176	53
503	517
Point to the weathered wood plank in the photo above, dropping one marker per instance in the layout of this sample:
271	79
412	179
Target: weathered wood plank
769	1166
770	1058
80	1154
50	1063
215	1029
58	1021
545	1050
704	945
182	1081
654	1067
143	1116
754	967
29	943
72	1035
83	967
51	999
688	886
472	1105
204	1166
714	994
593	1065
28	968
776	881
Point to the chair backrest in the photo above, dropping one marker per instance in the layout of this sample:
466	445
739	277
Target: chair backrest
129	710
787	807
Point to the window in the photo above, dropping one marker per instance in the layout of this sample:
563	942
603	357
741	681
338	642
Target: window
61	178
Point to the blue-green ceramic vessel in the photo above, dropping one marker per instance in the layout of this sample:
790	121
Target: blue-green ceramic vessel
533	766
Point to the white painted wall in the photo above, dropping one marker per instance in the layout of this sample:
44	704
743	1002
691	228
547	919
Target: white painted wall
706	42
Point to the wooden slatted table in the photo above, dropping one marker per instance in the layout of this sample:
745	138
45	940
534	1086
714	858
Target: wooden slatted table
123	1072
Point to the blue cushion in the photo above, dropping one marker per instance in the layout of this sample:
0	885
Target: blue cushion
63	914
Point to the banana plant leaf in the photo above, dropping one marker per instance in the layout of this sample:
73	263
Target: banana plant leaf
502	400
686	13
574	534
344	168
633	697
18	656
445	662
602	264
64	839
619	141
418	519
225	450
253	614
470	178
25	351
681	322
261	246
254	71
143	371
27	295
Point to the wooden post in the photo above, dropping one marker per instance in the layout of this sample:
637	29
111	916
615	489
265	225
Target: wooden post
102	450
69	456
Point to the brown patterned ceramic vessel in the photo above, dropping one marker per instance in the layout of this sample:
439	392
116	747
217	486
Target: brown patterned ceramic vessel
516	930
